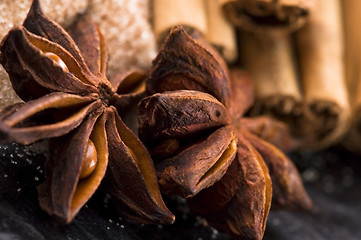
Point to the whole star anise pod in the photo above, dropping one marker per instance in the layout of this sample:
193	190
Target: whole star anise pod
206	151
68	99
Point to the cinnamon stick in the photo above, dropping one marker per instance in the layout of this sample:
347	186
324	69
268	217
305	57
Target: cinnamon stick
267	52
188	13
320	47
264	15
352	35
220	32
270	61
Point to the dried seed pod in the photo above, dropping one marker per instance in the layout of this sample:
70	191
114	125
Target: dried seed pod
273	131
199	165
131	81
55	115
242	198
165	149
40	25
238	201
75	103
65	191
129	89
179	114
92	46
131	176
243	94
288	189
41	75
184	63
215	198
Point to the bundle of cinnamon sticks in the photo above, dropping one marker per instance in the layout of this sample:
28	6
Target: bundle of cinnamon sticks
302	79
295	51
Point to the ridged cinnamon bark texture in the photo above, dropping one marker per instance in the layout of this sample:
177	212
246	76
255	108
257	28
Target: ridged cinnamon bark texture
321	55
352	36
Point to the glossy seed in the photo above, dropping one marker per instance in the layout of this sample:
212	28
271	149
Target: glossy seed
89	160
57	60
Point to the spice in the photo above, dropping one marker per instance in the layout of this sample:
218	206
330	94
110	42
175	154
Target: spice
264	15
241	207
220	32
63	12
269	59
266	50
296	88
272	131
200	112
321	56
68	99
288	190
206	17
197	103
352	36
189	13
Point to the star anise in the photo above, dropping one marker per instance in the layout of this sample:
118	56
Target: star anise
68	99
205	149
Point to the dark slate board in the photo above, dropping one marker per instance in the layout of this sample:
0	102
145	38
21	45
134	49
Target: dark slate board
331	178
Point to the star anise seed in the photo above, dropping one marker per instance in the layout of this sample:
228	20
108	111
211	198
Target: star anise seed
236	201
61	77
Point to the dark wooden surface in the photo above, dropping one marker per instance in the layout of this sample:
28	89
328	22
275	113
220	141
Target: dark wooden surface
332	178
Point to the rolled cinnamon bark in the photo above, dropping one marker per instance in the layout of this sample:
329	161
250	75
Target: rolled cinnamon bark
320	49
270	61
267	52
352	35
220	32
264	15
188	13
